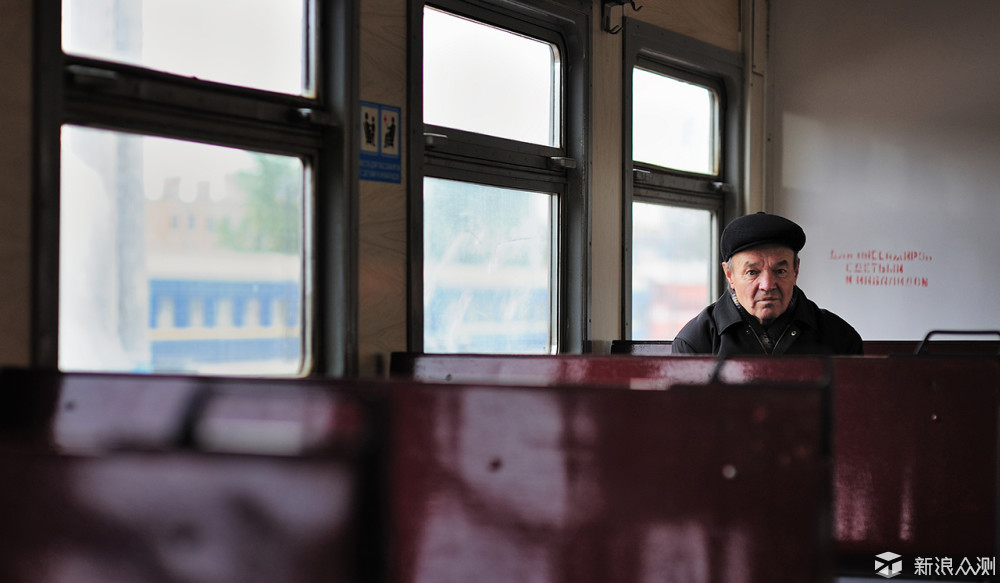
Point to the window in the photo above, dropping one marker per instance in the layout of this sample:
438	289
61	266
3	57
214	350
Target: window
487	268
484	79
256	43
499	181
682	141
671	267
191	174
674	123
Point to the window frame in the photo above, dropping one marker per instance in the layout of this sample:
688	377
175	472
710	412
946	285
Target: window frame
108	95
489	160
687	59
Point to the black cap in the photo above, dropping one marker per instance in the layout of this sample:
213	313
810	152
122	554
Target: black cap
760	229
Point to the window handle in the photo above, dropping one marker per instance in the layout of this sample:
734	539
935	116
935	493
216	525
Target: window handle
92	76
315	116
641	175
562	163
435	140
723	187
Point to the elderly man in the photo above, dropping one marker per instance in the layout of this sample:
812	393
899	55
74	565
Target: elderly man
764	312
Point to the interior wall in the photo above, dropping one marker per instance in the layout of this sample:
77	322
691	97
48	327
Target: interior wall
15	187
885	133
606	184
716	22
382	261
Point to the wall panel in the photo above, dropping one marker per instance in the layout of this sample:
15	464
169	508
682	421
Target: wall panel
15	181
382	208
885	135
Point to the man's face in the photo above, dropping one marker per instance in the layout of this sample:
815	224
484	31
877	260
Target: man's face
763	278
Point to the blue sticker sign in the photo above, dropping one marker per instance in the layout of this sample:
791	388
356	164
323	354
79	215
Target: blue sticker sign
380	143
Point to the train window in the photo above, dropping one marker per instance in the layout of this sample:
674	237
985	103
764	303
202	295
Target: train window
683	144
498	183
219	293
194	186
261	45
671	267
487	268
488	80
674	123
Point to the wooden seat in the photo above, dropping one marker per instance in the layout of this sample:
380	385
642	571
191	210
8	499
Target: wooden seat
642	347
132	478
706	483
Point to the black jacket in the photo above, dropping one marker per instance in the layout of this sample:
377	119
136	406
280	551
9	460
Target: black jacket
720	329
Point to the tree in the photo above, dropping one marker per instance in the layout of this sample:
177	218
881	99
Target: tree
273	220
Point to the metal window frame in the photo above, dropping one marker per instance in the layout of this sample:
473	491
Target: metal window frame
689	59
108	95
459	155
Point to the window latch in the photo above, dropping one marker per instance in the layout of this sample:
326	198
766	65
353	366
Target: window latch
91	76
435	140
641	175
561	163
723	187
315	116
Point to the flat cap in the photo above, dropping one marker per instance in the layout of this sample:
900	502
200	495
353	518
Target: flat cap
760	229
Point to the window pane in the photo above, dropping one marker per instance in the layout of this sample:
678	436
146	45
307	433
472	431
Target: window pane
488	282
179	257
673	123
487	80
671	268
252	43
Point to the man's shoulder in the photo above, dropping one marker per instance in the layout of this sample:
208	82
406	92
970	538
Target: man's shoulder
841	327
836	330
698	336
699	324
826	318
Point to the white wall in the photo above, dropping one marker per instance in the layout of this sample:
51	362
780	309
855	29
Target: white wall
885	136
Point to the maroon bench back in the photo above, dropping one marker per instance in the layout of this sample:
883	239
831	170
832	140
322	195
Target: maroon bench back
132	478
915	437
486	478
577	369
949	347
141	478
642	347
915	464
710	483
871	347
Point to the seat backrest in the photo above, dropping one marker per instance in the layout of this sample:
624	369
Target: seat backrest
135	478
642	347
915	465
702	483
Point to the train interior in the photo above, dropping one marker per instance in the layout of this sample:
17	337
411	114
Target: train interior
326	290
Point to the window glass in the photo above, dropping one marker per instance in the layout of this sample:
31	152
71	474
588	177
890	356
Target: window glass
488	269
671	268
487	80
179	257
674	123
259	44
